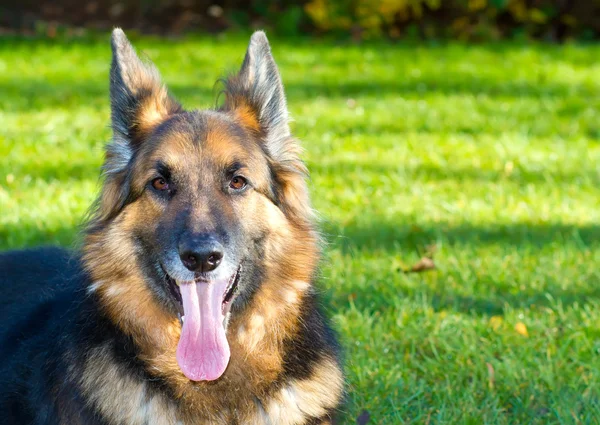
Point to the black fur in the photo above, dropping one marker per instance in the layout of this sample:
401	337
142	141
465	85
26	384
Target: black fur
314	341
48	325
42	328
50	322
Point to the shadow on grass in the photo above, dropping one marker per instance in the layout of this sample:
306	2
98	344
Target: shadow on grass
65	169
451	172
497	305
80	169
25	94
389	236
451	85
497	292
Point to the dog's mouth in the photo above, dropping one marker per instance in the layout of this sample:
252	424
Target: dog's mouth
231	290
204	304
228	296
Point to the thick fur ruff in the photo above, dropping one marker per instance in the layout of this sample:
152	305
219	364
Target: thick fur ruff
90	337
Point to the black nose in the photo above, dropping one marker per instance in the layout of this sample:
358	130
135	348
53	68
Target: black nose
201	253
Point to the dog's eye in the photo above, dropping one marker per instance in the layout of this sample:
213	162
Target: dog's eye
238	183
160	184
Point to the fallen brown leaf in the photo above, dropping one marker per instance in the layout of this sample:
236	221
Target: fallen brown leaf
422	265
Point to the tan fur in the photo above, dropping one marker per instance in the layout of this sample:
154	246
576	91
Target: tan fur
256	353
143	81
250	391
120	398
124	400
256	338
156	107
311	397
246	116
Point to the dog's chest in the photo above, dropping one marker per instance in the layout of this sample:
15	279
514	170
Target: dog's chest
122	396
134	402
286	407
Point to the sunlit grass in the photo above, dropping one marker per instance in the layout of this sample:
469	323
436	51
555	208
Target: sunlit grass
490	152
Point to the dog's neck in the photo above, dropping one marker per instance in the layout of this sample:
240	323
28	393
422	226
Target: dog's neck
258	337
256	334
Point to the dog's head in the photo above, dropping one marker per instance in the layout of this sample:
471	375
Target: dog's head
197	205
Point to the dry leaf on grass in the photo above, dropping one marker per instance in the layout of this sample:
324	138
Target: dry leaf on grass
521	329
425	263
422	265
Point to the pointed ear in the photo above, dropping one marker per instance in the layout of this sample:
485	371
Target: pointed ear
139	102
255	97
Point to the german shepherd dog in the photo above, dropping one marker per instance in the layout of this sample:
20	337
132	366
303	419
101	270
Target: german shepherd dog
192	298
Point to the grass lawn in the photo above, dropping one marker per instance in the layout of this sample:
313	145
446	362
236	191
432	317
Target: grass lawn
489	152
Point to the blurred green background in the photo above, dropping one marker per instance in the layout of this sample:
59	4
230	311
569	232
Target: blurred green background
478	161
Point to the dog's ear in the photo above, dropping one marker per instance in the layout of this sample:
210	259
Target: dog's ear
255	97
138	100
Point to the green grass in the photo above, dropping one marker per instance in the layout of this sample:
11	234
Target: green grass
491	152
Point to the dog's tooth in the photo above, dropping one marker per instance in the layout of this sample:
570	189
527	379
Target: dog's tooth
226	320
182	318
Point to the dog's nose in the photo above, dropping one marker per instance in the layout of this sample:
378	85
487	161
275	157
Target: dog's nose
201	254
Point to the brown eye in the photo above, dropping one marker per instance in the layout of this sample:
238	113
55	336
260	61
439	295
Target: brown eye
238	183
160	184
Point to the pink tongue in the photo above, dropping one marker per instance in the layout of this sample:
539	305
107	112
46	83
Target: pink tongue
203	351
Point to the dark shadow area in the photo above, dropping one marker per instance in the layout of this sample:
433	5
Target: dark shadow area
447	85
453	173
55	89
498	294
26	95
390	237
385	235
64	170
39	93
77	169
495	306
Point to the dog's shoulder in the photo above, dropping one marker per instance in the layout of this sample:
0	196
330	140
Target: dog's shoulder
35	273
311	386
33	280
37	293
